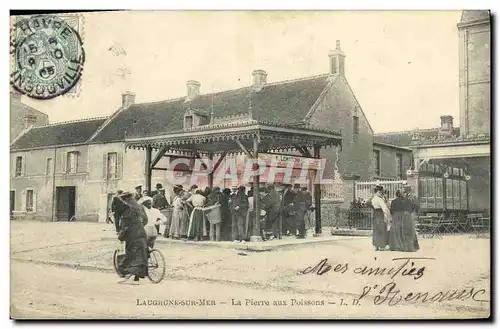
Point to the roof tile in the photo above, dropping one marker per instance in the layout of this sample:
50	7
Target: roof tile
66	133
283	102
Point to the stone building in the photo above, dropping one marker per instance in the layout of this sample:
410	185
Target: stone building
23	116
103	165
474	72
454	163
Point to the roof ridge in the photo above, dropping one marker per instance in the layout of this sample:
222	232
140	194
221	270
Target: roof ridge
71	121
406	131
171	100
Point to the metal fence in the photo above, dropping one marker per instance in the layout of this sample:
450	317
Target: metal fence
360	218
364	190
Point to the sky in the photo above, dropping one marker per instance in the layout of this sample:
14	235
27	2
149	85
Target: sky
401	65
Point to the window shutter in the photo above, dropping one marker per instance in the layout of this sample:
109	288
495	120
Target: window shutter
64	157
105	166
119	165
35	195
23	171
23	200
77	161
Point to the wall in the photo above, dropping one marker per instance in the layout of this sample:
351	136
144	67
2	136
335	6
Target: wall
17	113
35	177
335	112
388	167
479	185
474	73
132	174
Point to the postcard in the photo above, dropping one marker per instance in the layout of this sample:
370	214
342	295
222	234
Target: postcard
250	165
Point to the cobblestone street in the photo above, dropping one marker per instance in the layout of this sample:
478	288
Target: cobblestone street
65	270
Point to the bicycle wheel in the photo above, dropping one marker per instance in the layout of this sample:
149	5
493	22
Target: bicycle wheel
115	261
156	266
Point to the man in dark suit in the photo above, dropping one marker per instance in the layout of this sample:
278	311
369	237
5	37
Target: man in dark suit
289	211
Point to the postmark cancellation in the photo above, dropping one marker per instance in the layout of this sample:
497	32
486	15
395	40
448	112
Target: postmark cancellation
47	55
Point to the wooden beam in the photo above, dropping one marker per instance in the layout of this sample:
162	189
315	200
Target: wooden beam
219	161
256	236
244	149
211	174
149	151
158	156
303	150
317	195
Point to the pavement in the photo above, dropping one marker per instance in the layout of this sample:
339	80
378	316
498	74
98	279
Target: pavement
65	270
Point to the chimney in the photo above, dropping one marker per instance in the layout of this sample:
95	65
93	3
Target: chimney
259	79
446	128
337	60
128	99
193	89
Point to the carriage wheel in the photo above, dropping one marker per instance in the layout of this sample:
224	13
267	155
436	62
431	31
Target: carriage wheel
156	266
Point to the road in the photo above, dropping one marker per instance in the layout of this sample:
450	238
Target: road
72	277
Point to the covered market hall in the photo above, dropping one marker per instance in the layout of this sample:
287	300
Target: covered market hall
233	136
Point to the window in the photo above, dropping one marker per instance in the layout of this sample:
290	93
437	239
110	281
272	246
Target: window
112	166
49	167
112	171
439	193
72	162
355	125
376	162
399	166
189	122
19	166
29	200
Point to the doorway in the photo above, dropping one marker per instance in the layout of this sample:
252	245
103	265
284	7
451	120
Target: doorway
66	203
12	202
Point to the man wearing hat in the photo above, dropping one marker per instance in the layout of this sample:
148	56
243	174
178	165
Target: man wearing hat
117	209
239	209
408	194
289	211
160	202
300	206
138	192
159	186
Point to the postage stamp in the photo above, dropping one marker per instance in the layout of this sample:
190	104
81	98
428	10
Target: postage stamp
48	56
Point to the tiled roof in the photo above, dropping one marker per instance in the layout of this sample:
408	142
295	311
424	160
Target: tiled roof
66	133
404	138
284	102
474	15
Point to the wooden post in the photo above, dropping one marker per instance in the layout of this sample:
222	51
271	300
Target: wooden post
211	174
149	151
317	195
256	221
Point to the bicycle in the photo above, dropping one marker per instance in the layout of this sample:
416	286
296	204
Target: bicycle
156	264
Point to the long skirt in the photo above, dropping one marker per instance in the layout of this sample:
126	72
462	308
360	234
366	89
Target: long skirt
135	261
197	224
380	236
175	225
403	236
184	223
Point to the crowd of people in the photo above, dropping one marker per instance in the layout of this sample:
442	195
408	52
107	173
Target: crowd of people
394	222
183	213
209	214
